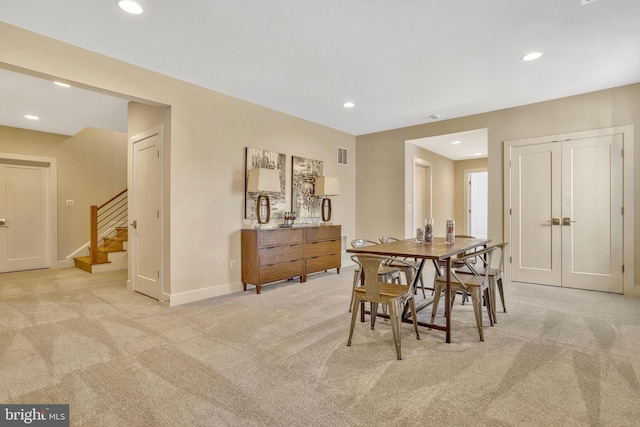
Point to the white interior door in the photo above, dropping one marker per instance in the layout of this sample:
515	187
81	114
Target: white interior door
146	202
477	203
24	225
535	214
566	213
592	255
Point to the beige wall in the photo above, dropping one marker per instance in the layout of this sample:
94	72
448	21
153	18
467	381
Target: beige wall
608	108
92	168
209	132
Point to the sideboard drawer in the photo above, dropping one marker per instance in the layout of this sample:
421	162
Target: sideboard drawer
281	237
322	248
322	263
328	232
276	254
284	270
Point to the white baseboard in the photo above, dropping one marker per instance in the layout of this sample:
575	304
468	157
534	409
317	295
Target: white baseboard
205	293
64	264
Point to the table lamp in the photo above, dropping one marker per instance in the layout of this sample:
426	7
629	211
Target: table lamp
326	186
263	181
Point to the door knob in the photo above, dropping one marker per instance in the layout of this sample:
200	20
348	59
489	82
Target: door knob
566	221
134	224
3	222
554	220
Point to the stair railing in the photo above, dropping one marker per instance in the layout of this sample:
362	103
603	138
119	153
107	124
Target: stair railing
104	218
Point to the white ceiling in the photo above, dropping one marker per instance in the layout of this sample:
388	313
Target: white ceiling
457	146
399	61
63	110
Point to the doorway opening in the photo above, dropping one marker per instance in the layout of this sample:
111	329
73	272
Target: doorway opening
447	158
476	202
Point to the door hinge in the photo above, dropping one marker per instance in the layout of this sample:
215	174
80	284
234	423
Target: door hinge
157	214
510	260
158	274
158	152
622	153
510	213
622	210
623	268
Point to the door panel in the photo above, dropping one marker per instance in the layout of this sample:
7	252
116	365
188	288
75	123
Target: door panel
592	202
24	208
536	240
419	197
477	209
146	207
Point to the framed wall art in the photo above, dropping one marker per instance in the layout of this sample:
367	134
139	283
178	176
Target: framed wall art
303	176
258	158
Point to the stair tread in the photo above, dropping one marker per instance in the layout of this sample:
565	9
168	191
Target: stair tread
87	260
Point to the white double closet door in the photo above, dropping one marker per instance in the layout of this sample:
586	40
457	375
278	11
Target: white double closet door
566	213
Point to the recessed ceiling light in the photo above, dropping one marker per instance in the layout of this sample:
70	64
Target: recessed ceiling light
348	104
531	56
456	142
477	154
62	84
130	7
31	117
435	116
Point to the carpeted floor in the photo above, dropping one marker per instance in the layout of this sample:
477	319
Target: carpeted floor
559	357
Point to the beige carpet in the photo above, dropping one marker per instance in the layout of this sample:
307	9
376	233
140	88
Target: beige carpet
559	357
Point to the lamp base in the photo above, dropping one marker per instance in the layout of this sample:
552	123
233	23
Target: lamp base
263	201
326	210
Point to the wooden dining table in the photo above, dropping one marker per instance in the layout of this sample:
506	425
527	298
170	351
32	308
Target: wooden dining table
439	252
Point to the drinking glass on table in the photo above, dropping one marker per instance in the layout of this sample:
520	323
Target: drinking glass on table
420	235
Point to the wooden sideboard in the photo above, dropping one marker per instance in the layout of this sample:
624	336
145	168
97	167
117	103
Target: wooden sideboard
274	254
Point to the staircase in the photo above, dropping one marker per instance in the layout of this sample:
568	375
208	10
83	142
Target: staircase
112	253
108	237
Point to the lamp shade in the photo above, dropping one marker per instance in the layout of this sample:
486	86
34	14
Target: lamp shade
327	186
262	180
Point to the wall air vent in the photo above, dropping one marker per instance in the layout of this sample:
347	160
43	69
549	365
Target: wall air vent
343	156
585	2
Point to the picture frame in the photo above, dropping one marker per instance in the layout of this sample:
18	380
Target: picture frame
259	158
303	201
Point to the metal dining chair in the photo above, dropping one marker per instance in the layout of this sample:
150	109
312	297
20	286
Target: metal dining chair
392	295
495	276
385	273
473	284
415	263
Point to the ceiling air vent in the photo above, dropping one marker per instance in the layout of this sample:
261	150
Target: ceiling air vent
343	156
584	2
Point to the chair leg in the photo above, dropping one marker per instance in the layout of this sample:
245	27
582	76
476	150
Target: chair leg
422	286
356	278
504	308
492	297
437	290
414	317
393	313
477	310
490	312
354	314
374	313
